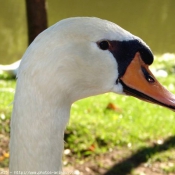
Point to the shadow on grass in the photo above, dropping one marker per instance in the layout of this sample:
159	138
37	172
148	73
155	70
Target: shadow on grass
142	155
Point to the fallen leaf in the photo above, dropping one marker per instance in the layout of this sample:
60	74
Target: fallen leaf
114	107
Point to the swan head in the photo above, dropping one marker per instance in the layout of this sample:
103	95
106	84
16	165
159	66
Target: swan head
81	57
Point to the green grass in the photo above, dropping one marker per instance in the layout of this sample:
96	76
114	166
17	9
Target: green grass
138	124
6	98
95	129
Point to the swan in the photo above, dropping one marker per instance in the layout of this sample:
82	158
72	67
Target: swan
73	59
10	69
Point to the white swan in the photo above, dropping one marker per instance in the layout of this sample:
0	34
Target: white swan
10	69
73	59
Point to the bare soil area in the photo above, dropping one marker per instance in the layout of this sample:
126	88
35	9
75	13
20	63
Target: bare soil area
122	161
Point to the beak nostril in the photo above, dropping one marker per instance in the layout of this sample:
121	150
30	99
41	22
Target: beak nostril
148	77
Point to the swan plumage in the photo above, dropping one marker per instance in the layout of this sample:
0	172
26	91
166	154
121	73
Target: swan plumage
65	63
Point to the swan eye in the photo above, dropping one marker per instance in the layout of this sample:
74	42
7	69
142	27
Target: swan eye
104	45
148	77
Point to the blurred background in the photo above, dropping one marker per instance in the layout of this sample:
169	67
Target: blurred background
153	21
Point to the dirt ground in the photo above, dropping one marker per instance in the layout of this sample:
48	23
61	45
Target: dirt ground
116	162
104	164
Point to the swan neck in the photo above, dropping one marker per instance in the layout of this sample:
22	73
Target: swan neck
37	133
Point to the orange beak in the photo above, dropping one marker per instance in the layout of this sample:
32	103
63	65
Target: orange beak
139	82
